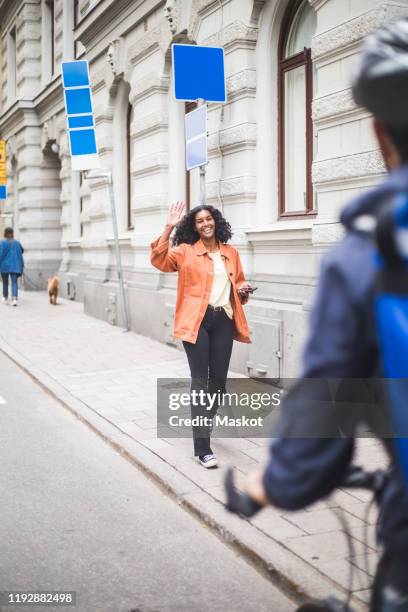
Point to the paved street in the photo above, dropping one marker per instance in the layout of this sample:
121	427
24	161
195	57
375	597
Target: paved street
78	516
103	372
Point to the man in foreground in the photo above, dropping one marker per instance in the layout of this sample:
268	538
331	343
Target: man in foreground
343	342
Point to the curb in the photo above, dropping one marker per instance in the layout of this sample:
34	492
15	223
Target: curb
292	575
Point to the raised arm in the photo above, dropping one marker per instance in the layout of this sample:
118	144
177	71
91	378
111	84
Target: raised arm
162	256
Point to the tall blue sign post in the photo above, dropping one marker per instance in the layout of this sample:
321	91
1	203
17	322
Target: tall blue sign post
83	147
198	76
80	117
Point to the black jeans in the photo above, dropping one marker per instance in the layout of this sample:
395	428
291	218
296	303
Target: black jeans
209	361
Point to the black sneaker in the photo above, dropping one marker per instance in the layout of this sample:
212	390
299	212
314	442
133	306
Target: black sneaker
208	461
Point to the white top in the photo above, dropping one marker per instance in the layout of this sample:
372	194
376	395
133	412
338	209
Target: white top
221	287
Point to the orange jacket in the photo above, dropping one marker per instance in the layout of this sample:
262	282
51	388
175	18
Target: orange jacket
195	269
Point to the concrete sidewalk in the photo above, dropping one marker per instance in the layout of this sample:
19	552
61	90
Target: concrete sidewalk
108	378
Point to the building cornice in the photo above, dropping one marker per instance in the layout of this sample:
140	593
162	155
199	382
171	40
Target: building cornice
17	114
107	14
50	99
236	34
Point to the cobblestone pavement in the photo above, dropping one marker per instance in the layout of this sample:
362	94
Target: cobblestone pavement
114	374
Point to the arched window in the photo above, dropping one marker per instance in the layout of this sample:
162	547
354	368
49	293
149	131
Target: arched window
295	110
129	118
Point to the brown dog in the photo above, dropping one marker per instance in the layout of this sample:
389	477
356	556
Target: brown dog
53	284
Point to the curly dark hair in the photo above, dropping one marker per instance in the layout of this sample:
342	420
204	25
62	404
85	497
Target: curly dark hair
186	232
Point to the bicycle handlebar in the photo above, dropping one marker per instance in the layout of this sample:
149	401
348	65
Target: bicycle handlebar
238	502
357	478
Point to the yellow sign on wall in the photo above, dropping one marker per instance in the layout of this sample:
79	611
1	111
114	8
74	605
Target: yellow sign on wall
3	170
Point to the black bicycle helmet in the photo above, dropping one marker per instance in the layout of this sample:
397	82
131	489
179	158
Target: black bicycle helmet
381	82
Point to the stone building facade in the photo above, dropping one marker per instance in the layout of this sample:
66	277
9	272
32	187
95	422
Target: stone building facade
286	152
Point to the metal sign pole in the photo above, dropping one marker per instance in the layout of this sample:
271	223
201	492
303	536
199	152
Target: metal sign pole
202	185
117	253
108	175
201	102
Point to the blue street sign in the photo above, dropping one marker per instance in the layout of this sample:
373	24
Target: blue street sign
196	138
80	118
75	74
78	101
81	121
198	73
3	192
83	142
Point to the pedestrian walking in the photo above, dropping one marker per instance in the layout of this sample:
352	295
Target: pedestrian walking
11	265
211	292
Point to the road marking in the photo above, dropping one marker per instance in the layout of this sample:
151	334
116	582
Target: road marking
2	400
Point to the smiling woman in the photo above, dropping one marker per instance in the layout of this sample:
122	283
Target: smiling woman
211	291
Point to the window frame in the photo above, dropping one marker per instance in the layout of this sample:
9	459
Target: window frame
50	7
76	12
285	65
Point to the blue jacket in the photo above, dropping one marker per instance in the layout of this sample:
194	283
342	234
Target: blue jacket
11	256
342	344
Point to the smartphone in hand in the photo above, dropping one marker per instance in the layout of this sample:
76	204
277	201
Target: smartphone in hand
247	290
